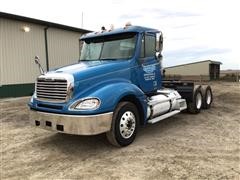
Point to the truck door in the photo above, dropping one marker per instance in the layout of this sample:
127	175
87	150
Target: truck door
149	76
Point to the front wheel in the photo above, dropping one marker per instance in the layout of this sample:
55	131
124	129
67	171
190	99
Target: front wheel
125	123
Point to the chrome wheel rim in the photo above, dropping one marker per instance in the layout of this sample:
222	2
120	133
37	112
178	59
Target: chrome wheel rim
199	101
209	97
127	124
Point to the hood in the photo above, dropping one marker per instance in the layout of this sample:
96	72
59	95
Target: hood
89	69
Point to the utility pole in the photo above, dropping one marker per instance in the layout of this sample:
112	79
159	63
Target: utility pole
82	19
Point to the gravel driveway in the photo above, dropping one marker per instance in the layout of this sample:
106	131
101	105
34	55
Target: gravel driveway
203	146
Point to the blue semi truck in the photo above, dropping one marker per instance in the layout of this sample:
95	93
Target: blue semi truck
115	88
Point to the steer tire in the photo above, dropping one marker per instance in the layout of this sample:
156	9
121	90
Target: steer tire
195	106
125	124
207	97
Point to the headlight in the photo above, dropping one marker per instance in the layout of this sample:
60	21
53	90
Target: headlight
87	104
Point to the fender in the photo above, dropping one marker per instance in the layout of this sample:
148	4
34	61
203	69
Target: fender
110	94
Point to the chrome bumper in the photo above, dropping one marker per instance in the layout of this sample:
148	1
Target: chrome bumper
72	124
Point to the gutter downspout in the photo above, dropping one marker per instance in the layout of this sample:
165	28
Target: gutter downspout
46	47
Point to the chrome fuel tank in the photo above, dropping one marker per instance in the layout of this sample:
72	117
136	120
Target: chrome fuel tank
164	101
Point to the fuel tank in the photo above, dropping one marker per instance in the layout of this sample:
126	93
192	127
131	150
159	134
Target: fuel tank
162	102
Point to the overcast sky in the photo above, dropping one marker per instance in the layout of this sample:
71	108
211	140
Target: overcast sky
193	30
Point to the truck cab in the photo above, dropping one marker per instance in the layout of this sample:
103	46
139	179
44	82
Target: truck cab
115	87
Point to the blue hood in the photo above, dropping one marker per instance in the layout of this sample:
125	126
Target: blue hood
87	70
91	75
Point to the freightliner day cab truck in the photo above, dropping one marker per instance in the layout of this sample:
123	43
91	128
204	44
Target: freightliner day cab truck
115	88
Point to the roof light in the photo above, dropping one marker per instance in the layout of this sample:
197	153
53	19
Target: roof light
103	29
111	27
127	25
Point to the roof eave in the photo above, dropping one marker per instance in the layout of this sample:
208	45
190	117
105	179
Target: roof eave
41	22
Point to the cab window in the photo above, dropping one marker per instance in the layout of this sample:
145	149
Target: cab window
148	48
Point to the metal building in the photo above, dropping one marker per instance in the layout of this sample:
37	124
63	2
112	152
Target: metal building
201	70
21	38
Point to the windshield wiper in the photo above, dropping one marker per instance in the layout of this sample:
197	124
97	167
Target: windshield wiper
89	60
109	59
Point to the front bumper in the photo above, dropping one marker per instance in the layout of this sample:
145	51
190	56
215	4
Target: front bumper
72	124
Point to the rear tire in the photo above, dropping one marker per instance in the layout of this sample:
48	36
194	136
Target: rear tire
195	106
125	124
207	97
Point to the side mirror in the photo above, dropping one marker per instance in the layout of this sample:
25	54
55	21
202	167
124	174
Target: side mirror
37	61
160	43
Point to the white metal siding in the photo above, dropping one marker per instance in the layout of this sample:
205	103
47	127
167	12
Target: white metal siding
63	47
18	51
201	68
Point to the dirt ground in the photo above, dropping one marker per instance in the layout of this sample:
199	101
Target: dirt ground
203	146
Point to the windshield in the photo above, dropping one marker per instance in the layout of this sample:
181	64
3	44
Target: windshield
113	47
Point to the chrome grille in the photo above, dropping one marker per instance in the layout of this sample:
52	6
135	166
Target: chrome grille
53	90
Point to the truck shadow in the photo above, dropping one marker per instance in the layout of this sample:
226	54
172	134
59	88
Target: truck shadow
75	144
163	127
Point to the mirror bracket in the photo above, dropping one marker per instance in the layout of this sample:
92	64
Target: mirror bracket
37	61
